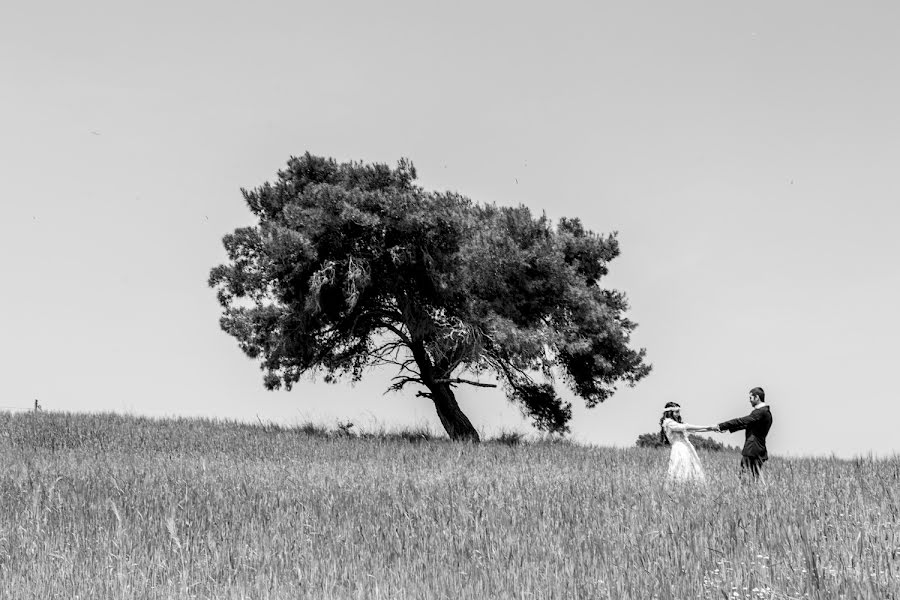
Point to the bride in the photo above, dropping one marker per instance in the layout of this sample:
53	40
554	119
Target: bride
684	465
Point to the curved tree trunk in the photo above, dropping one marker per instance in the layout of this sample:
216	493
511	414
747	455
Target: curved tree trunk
455	422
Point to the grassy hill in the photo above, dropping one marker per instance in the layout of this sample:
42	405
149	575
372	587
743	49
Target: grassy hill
106	506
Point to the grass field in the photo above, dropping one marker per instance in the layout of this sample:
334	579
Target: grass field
105	506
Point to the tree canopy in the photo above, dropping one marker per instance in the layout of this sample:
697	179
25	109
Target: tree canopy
354	265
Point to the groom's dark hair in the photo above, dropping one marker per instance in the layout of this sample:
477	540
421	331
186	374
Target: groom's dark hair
759	393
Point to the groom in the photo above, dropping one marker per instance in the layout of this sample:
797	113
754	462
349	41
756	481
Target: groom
757	424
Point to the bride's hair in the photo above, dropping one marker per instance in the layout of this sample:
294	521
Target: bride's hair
669	412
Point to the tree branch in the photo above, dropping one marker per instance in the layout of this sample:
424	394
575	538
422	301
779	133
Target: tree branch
396	331
400	381
387	349
459	380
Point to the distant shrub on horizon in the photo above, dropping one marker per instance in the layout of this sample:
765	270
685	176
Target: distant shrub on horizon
510	438
651	440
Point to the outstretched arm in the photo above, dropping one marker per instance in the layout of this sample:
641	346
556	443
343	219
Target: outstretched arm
699	427
741	423
688	427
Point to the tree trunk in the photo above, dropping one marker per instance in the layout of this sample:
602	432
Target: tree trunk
455	422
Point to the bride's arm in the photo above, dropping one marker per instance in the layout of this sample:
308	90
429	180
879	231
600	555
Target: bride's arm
703	428
687	427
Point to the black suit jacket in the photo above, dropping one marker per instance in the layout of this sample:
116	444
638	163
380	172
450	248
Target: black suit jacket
757	425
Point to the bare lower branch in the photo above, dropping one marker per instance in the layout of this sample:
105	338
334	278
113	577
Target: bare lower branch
458	380
400	381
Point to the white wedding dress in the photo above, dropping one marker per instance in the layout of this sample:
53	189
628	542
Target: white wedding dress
684	464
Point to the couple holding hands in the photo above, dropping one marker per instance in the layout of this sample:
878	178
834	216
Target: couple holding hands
684	464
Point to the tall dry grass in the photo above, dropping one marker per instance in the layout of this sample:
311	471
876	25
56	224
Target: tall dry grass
104	506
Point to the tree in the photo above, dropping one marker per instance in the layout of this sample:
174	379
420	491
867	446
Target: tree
353	265
706	443
652	440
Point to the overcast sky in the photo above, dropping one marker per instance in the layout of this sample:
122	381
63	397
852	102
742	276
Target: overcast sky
746	152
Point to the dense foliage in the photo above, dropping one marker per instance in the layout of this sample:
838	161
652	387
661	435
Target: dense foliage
353	265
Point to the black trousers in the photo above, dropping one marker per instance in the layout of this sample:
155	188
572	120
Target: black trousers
751	464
